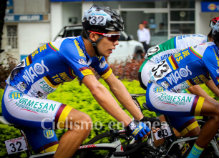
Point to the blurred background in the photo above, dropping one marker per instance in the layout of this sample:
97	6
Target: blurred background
31	23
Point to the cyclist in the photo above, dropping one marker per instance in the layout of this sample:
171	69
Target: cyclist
24	101
194	65
164	50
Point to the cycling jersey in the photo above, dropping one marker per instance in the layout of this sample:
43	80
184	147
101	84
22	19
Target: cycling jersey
24	101
164	50
54	63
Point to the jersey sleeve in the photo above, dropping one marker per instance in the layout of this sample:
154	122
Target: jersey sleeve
73	55
211	60
101	67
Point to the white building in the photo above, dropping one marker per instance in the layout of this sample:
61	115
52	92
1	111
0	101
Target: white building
30	23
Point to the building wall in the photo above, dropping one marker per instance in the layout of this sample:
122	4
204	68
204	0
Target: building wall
56	18
31	36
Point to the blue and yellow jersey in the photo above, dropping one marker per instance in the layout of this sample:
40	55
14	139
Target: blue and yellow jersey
54	63
191	66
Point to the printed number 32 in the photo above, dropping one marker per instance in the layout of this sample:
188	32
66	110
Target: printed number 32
97	20
16	147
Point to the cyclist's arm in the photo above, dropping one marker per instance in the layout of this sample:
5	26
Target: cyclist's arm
123	96
105	99
197	90
211	85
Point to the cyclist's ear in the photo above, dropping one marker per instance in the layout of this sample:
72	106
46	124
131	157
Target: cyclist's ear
93	36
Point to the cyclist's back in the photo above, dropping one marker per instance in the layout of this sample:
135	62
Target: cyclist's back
164	50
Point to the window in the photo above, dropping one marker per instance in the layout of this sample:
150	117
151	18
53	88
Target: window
12	36
182	15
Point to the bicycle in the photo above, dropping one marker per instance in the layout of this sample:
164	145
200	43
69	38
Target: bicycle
112	147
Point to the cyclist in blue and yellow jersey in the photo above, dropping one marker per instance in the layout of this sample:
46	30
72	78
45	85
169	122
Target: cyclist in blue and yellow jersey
188	67
163	51
24	101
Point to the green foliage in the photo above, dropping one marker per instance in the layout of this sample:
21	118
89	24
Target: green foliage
8	132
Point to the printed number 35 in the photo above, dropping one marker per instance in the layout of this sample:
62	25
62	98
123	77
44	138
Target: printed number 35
161	69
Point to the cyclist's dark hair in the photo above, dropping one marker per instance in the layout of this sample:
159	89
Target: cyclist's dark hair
210	34
84	34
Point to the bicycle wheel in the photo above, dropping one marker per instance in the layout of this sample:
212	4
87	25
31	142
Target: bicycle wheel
105	137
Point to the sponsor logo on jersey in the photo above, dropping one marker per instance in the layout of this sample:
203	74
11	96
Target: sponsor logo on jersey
217	58
45	87
33	71
178	74
48	133
35	105
15	95
80	52
177	100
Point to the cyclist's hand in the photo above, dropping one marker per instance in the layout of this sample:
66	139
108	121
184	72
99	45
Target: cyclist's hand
138	129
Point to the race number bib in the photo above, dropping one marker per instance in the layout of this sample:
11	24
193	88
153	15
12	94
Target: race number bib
98	20
163	132
16	145
160	70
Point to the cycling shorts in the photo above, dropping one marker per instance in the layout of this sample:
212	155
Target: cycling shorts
179	107
38	117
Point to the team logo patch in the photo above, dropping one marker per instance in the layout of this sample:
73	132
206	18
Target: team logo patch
165	84
102	64
15	95
81	61
158	89
21	86
153	50
38	68
48	133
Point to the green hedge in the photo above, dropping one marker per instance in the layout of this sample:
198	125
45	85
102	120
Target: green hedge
79	97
